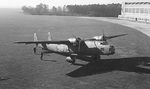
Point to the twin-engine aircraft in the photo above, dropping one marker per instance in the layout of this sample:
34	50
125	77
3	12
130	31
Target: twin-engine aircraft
74	47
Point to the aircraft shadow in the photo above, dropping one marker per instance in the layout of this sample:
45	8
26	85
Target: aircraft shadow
107	65
4	78
49	60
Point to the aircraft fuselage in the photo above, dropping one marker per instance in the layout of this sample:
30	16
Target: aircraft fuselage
87	48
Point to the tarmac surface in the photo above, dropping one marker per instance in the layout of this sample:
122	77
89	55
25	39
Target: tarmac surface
20	69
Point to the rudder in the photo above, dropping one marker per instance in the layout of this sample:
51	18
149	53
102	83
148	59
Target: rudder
35	37
49	36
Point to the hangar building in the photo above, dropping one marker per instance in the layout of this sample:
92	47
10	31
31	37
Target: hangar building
136	11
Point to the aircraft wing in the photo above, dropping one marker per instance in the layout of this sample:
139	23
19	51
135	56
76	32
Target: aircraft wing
110	37
106	37
42	42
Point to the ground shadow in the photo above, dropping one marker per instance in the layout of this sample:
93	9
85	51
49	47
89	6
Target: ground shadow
4	78
49	60
107	65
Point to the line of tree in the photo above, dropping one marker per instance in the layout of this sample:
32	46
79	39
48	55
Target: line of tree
109	10
41	9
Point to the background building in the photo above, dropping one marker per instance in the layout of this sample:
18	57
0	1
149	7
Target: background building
137	11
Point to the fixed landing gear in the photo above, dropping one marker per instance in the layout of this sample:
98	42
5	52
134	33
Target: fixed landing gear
73	61
43	53
41	56
34	50
73	57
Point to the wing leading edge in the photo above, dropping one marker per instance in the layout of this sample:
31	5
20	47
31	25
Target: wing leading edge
104	38
42	42
110	37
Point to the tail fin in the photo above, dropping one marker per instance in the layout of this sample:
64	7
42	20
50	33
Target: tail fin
35	37
49	36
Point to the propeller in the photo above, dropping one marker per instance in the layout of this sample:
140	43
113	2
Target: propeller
78	42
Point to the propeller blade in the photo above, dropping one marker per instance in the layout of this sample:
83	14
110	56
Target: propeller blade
78	42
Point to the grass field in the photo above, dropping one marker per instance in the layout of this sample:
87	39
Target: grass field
26	71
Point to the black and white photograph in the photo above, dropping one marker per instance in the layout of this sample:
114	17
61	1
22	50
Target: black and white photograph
74	44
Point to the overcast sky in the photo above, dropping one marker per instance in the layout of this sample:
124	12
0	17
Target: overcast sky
20	3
